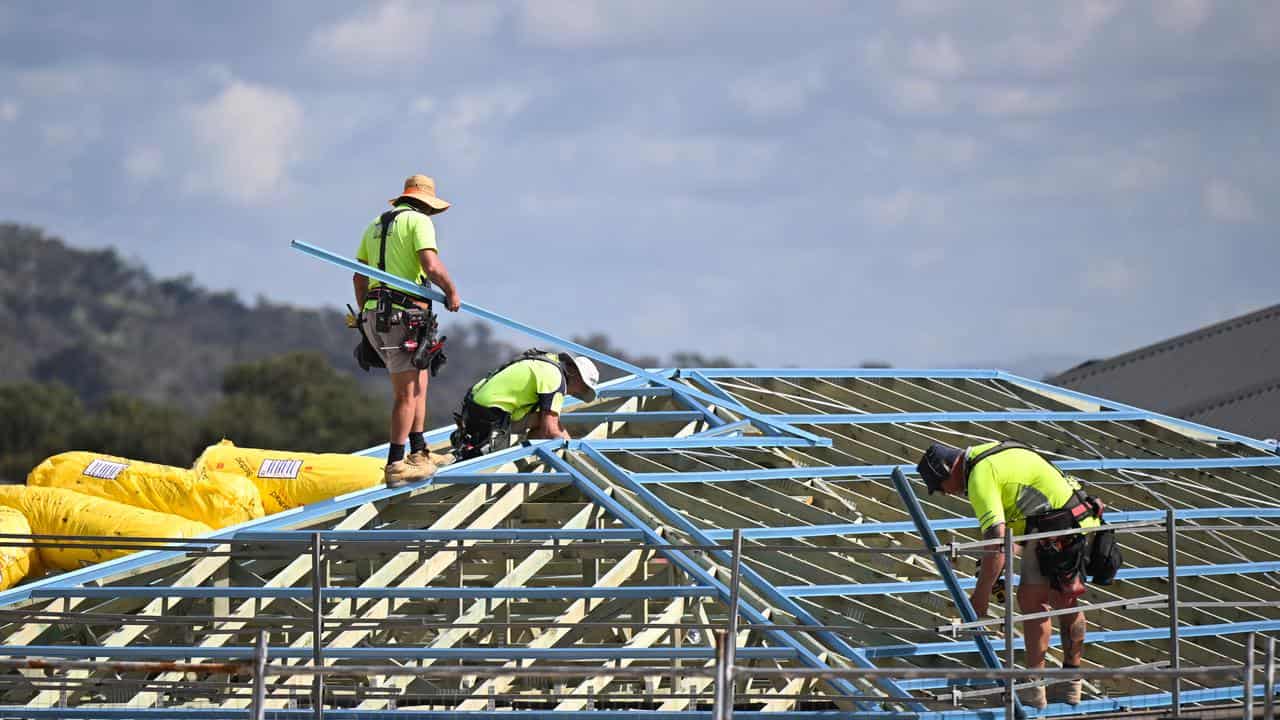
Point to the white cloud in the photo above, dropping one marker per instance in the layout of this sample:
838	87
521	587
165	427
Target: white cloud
597	23
704	158
248	135
918	95
1114	276
778	91
1057	48
144	164
1229	203
902	206
946	149
926	257
424	105
9	111
460	125
937	57
926	8
1181	15
1022	100
400	30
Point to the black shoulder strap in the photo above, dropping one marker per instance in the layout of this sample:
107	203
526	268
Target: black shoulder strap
530	354
385	220
999	448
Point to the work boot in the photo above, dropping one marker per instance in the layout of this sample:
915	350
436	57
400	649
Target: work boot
401	473
423	461
1034	697
1072	690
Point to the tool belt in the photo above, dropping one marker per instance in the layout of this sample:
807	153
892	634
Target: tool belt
480	429
1064	558
415	316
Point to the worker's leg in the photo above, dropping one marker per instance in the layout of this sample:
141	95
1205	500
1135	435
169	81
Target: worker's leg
420	403
1033	597
409	392
1072	627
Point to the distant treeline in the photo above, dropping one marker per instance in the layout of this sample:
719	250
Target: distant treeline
99	355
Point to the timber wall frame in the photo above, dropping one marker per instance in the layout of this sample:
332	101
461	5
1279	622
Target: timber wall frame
598	553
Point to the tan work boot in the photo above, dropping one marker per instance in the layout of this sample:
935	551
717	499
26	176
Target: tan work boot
1034	697
422	461
1072	690
401	473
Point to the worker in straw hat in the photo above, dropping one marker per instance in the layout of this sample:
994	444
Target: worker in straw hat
394	324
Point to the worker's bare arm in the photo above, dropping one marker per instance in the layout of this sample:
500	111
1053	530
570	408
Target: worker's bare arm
433	267
361	285
993	561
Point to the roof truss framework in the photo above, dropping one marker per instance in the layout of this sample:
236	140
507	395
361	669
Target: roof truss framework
435	590
582	553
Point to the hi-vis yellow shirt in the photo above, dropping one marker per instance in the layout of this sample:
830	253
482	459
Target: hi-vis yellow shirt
521	387
409	232
1014	484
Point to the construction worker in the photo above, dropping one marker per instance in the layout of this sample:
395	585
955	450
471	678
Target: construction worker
1013	489
530	388
402	241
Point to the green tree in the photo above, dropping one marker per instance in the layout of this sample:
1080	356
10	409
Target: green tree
140	430
296	401
36	420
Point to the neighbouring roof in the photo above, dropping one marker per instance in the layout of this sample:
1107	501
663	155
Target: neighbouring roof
1226	375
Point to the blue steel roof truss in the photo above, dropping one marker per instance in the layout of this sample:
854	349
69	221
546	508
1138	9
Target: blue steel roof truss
800	459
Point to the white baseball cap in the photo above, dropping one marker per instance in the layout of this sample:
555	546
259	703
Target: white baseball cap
589	374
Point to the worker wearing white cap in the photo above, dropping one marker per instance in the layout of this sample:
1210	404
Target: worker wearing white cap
530	388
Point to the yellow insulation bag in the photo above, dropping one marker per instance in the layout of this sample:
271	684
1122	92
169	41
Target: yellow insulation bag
57	511
287	479
215	499
16	563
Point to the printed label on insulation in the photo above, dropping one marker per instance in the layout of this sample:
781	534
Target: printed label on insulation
280	469
104	469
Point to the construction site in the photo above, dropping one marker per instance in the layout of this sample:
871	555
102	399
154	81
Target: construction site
712	542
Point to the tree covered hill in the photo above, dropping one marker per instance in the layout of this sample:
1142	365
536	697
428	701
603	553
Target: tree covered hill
100	355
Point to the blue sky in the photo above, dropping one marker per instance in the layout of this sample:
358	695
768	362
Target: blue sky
820	183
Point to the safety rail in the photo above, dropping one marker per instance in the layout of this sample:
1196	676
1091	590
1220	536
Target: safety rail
326	546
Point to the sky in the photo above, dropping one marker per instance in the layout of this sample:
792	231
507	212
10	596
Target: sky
922	182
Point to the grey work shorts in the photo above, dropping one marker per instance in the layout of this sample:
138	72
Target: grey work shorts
1029	571
396	359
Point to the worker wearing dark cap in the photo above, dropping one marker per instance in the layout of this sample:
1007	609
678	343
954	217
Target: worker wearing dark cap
1013	489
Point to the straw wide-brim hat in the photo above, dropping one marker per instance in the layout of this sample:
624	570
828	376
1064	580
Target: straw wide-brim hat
423	189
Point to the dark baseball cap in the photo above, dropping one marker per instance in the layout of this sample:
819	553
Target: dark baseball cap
935	465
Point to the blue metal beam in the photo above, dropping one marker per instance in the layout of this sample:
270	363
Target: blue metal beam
397	652
963	647
750	576
895	373
794	531
620	392
460	478
507	534
1257	461
113	592
924	586
657	416
431	292
692	443
682	560
943	563
955	417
